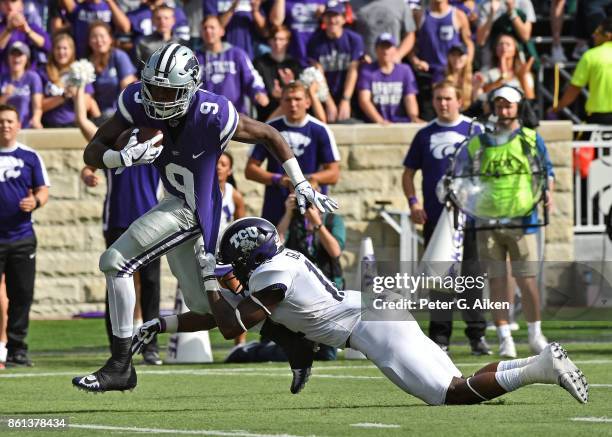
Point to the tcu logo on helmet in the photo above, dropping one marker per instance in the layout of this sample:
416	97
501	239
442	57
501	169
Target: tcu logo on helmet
244	238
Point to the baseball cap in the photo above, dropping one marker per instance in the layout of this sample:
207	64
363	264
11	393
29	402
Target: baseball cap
20	47
459	48
334	7
508	93
386	37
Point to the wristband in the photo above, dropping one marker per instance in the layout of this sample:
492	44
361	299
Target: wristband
112	159
316	228
169	324
276	178
346	98
293	170
412	200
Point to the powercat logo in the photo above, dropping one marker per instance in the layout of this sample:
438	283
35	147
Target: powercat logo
10	168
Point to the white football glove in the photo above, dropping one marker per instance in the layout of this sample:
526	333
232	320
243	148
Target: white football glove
208	263
305	193
145	334
135	153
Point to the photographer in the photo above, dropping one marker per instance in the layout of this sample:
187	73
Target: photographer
321	238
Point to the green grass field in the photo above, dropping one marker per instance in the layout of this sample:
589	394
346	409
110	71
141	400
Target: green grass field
254	399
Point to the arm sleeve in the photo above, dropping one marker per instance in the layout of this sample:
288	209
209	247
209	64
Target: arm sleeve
580	77
37	87
227	120
357	47
122	105
39	173
410	85
124	65
364	80
250	77
414	157
338	230
328	150
263	279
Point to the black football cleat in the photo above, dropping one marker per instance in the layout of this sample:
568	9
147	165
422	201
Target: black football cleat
111	377
300	378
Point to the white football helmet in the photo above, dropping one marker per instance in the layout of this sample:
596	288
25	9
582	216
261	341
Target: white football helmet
170	78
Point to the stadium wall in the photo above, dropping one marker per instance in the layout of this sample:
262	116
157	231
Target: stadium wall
69	228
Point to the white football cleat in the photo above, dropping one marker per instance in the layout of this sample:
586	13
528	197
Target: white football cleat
554	367
507	349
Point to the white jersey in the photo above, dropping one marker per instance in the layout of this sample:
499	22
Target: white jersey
228	207
312	304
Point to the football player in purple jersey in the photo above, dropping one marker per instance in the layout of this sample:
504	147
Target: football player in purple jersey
196	126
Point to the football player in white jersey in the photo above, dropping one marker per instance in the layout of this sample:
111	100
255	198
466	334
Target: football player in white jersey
284	286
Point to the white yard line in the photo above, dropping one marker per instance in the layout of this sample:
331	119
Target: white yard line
237	433
592	419
374	425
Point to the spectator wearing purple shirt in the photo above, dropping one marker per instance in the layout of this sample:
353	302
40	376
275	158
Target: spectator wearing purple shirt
58	109
22	88
81	15
336	51
312	143
163	22
302	18
241	19
228	71
387	89
24	187
114	70
140	21
15	27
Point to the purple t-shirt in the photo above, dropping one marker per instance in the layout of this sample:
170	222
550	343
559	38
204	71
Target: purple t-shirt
312	143
240	29
301	18
21	169
81	17
107	85
141	21
129	195
335	56
230	73
188	166
63	115
23	90
388	90
38	56
431	150
435	38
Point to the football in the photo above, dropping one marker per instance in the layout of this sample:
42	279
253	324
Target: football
144	134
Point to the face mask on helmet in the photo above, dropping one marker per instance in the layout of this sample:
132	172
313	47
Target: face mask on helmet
170	78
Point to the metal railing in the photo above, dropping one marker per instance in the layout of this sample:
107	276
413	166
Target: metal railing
593	193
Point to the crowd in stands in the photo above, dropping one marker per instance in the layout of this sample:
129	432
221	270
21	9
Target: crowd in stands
378	59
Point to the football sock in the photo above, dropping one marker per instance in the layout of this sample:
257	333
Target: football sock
534	328
515	364
3	351
121	303
512	379
503	331
121	351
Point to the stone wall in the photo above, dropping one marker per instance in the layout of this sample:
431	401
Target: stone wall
69	227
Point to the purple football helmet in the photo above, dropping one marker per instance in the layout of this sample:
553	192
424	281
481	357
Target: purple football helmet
246	244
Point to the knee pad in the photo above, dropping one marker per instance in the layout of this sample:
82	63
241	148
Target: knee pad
111	261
